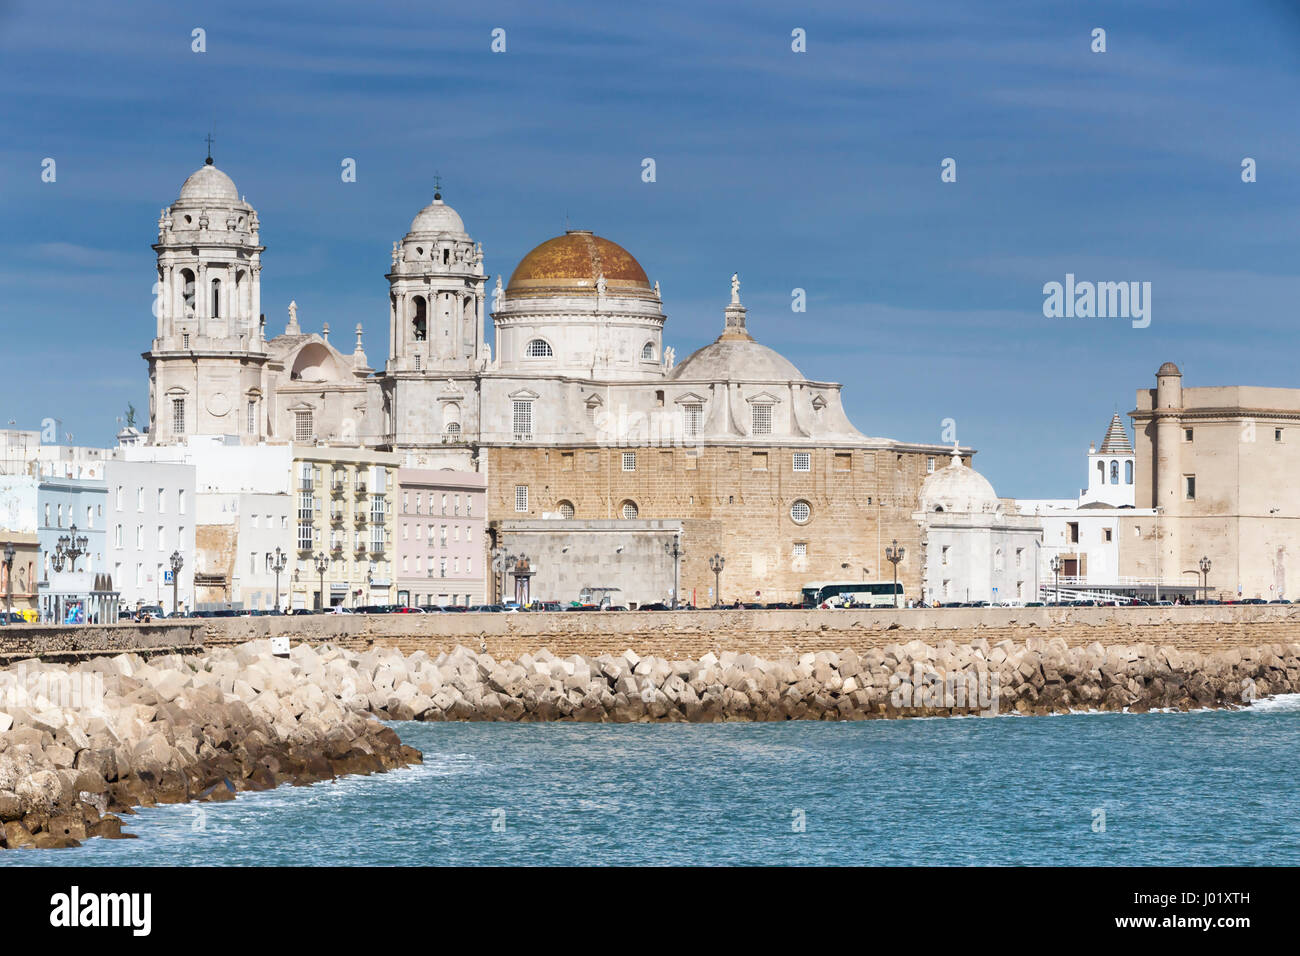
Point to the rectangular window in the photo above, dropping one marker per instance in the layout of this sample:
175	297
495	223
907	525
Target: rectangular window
692	460
139	499
1187	434
801	549
1072	532
119	497
629	461
843	461
178	415
523	421
691	416
803	461
665	461
1105	534
251	423
139	537
759	461
302	430
162	539
117	537
762	419
1020	557
180	503
162	502
406	502
1189	486
444	504
929	465
944	555
185	340
469	506
455	505
304	536
1277	434
566	461
521	505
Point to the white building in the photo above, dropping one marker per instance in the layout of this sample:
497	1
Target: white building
976	548
1083	533
151	514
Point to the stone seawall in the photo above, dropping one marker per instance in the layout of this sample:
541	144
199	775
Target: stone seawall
911	680
771	633
77	641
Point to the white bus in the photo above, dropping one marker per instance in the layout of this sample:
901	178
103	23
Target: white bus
853	594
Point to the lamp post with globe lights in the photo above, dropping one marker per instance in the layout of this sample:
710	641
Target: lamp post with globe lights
322	564
177	562
278	564
1205	578
716	564
894	554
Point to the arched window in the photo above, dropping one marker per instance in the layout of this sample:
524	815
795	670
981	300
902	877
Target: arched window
453	429
420	323
1128	472
538	348
1101	472
216	299
566	509
648	352
1114	473
187	291
630	510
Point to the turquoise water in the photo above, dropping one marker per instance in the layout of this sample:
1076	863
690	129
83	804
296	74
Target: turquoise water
1179	789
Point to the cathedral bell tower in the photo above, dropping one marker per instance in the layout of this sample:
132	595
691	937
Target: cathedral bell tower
208	355
436	290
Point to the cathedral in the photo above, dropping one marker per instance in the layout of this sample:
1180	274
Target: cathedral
576	412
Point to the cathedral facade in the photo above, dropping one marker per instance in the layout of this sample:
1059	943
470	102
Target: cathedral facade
576	412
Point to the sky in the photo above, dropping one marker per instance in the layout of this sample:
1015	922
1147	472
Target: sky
816	170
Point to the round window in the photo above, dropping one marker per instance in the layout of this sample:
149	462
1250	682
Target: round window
629	510
566	509
800	512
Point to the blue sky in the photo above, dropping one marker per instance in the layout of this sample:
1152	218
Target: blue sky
817	170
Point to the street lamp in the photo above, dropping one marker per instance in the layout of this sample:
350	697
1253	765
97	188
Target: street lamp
674	548
1056	570
716	564
322	562
278	564
1205	578
71	546
177	563
9	581
894	554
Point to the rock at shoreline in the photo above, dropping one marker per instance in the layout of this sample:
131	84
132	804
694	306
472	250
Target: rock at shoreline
87	742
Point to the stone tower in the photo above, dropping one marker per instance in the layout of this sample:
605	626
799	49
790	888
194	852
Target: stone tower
436	290
208	354
436	349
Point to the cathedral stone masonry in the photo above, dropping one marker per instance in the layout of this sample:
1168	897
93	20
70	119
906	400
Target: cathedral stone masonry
578	411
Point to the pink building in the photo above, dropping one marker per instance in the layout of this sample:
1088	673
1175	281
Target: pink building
440	544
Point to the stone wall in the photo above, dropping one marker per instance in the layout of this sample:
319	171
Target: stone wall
56	642
736	500
690	634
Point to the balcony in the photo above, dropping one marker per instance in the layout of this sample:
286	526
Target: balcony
339	488
359	489
360	517
336	517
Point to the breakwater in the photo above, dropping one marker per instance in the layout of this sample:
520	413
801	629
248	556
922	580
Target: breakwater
82	743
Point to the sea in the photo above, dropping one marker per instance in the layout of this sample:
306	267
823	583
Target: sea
1179	789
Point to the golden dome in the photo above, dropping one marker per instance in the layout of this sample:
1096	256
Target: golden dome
572	264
